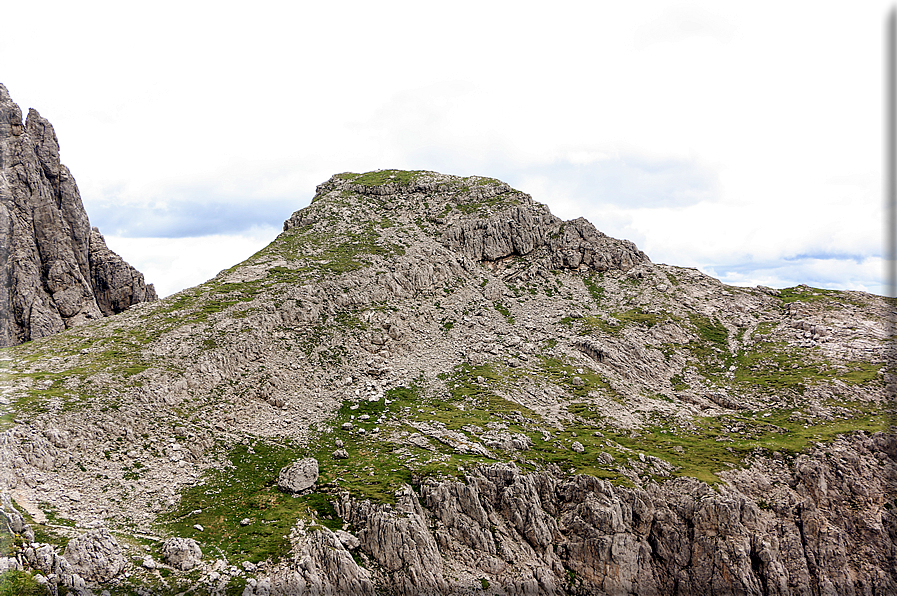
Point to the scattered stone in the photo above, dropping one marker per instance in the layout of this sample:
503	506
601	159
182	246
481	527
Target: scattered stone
340	454
577	447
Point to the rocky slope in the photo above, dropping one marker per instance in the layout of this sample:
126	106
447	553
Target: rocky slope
430	385
57	271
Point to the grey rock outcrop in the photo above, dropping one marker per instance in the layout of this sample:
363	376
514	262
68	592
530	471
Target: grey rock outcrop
95	556
521	230
181	553
515	225
56	271
45	559
780	529
400	543
320	564
299	475
469	362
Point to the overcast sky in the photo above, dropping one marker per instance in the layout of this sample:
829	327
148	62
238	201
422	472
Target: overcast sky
744	139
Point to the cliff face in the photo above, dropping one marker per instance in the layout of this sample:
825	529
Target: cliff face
56	271
818	529
497	401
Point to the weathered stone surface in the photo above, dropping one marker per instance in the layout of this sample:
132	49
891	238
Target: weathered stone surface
181	553
681	537
299	475
95	556
116	285
400	543
321	564
56	272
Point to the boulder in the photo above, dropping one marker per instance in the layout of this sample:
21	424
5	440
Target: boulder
181	553
298	476
95	556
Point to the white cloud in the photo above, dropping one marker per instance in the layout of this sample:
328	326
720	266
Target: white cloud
172	264
864	275
769	126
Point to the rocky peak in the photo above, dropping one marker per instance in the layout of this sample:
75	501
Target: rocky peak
480	218
57	272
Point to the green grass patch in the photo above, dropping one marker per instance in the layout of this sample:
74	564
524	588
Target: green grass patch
596	291
247	489
504	310
718	443
678	383
615	325
562	373
323	253
21	583
485	206
381	177
806	294
710	330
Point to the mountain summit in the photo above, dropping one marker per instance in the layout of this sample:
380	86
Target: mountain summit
56	270
429	384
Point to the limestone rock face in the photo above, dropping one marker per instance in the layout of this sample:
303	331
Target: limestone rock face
95	556
541	534
321	564
56	271
12	521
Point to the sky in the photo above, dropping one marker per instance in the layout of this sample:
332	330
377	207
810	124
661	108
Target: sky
743	139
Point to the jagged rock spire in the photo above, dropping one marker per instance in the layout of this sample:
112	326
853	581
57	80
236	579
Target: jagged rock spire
56	271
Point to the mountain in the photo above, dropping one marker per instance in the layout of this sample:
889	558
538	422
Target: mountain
429	384
57	271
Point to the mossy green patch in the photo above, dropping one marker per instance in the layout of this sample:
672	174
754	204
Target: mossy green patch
806	294
595	291
484	206
504	310
322	253
710	330
562	373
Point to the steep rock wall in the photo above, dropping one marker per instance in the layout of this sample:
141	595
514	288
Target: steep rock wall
56	271
821	524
